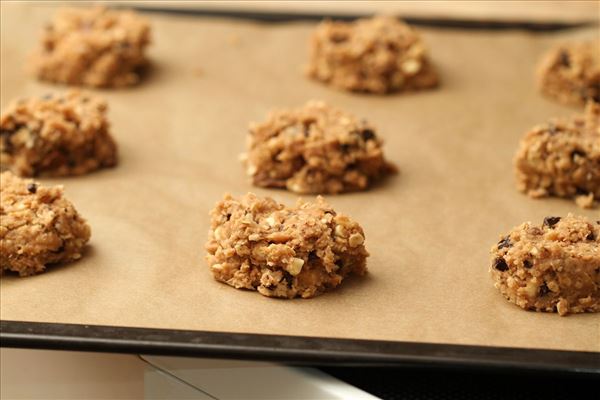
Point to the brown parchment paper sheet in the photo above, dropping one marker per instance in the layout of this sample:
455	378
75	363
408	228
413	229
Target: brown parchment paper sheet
429	230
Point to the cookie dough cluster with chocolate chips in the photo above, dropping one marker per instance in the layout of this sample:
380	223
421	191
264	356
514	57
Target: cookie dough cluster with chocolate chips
375	55
56	135
570	73
258	244
554	267
562	158
315	149
95	47
38	226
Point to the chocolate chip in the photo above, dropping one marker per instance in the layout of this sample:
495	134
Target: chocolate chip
504	243
228	216
564	59
527	264
288	278
31	187
500	264
544	289
577	153
591	236
10	132
551	221
306	125
345	147
367	134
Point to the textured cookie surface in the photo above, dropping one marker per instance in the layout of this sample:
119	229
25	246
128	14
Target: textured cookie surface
315	149
376	55
554	267
56	135
562	158
38	226
258	244
92	47
570	73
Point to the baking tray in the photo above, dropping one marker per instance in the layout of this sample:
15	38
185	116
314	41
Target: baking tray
121	297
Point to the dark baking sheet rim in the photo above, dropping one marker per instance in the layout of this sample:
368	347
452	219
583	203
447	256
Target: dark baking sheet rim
298	349
292	349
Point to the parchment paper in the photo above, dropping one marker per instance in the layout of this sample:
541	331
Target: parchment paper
429	230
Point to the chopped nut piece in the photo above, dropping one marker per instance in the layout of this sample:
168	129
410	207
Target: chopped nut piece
411	67
356	240
295	266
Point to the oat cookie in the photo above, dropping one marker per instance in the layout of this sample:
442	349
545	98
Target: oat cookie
38	226
554	267
376	55
562	158
258	244
56	135
92	47
570	73
315	149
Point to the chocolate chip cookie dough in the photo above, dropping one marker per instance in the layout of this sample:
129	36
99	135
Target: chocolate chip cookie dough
570	73
258	244
92	47
376	55
315	149
554	267
562	158
56	135
38	226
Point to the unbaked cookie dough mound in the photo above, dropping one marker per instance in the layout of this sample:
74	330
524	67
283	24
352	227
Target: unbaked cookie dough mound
554	267
315	149
377	55
562	158
56	135
38	226
94	47
258	244
570	73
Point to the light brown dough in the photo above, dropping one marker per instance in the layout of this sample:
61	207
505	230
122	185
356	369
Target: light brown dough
38	226
56	135
562	158
258	244
94	47
570	73
375	55
554	267
315	149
